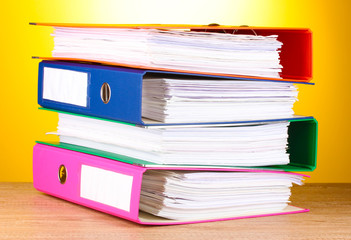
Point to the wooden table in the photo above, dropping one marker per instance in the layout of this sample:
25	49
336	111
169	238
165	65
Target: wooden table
28	214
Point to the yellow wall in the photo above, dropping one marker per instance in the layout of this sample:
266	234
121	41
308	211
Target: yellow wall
328	101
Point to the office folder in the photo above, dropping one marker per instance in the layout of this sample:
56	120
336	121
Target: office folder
115	187
117	93
289	145
295	53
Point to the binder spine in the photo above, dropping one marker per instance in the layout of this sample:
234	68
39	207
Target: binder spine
111	92
107	186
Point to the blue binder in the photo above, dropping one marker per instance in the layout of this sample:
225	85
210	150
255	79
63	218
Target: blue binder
124	91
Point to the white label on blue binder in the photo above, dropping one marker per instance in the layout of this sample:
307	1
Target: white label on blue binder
65	86
106	187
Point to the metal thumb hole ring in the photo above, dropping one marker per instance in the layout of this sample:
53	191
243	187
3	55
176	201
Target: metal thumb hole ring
105	93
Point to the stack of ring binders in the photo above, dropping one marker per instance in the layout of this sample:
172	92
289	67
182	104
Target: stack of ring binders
176	124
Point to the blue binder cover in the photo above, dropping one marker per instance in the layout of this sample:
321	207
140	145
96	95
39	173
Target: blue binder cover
121	100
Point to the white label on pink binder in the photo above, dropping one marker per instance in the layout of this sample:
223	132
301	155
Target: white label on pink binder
106	187
65	86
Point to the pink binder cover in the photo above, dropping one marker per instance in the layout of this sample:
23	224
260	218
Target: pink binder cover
47	161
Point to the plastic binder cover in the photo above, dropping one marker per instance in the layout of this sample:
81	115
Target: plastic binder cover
302	148
101	91
295	56
73	176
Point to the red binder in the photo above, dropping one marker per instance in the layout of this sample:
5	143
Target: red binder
295	56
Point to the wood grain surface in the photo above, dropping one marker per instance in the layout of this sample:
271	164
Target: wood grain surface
28	214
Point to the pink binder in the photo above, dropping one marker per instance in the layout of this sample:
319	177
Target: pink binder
66	174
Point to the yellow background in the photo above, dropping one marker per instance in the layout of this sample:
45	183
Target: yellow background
22	123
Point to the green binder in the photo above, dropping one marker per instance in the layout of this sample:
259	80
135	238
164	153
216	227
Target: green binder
302	144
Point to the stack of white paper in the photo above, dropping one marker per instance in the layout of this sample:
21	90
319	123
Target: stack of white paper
175	49
255	145
184	195
171	100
